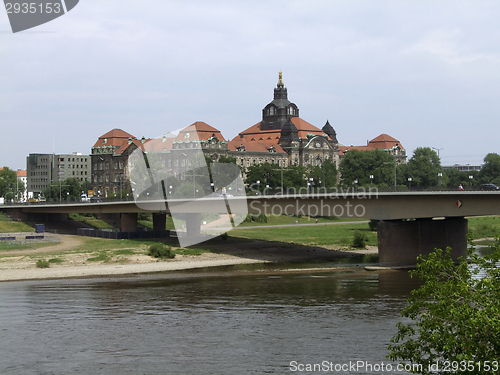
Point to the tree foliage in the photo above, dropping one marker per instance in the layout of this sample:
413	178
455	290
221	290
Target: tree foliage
490	172
359	165
455	315
69	189
423	168
10	184
324	175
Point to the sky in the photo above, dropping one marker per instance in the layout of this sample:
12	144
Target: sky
425	72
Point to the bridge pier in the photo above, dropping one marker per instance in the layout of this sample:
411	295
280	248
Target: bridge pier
128	222
401	242
159	221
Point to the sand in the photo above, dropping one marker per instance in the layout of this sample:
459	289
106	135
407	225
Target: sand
21	265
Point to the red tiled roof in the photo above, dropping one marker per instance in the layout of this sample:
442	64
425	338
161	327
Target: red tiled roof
254	133
203	132
384	142
136	142
251	146
115	137
21	173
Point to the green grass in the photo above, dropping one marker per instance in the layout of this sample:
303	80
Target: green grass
42	263
124	252
56	260
309	235
284	220
101	257
483	227
8	225
91	220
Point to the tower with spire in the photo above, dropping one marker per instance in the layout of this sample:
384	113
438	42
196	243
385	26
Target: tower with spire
277	112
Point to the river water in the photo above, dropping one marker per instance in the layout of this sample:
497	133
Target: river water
231	320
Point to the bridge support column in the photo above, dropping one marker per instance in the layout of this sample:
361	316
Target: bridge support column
400	242
193	224
128	222
159	222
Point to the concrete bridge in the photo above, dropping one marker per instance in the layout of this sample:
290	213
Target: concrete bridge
410	223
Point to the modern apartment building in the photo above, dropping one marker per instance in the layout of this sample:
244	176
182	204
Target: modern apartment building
42	170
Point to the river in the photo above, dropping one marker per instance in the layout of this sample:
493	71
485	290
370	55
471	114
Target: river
230	320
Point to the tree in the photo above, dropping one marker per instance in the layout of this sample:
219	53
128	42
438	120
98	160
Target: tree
69	189
259	176
360	165
423	168
10	185
455	315
324	175
490	172
456	178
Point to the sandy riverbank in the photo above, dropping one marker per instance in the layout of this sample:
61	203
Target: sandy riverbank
20	265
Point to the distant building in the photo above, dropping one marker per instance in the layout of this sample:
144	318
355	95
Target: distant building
43	170
383	142
464	168
110	162
281	138
22	175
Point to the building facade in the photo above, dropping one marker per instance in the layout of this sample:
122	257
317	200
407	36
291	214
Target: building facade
109	160
281	138
42	170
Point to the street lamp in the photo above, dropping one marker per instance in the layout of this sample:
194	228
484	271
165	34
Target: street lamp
409	182
311	183
371	180
355	185
439	179
470	179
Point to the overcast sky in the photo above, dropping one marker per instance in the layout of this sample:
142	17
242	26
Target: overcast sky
424	72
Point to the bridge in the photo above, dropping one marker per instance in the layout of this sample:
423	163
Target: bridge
410	223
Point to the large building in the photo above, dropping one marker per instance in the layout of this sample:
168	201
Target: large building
281	138
110	176
42	170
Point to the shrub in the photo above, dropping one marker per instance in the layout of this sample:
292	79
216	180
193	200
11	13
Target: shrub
159	250
224	236
262	218
42	263
373	225
360	239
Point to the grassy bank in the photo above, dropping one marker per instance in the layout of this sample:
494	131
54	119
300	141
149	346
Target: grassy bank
323	235
7	225
484	227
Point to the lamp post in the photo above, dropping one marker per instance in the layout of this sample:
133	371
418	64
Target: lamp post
439	179
471	177
311	181
258	187
355	184
371	180
409	182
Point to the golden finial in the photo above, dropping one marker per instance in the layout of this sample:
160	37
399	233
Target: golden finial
280	81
